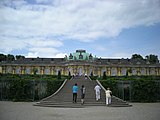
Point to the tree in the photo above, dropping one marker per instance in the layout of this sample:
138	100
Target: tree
10	57
3	57
59	75
104	75
19	57
137	56
152	58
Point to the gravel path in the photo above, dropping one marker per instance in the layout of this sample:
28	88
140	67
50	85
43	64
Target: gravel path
26	111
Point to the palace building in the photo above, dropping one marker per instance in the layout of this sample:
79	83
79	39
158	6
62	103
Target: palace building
80	63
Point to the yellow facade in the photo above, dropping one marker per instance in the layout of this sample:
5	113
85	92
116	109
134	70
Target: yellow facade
79	70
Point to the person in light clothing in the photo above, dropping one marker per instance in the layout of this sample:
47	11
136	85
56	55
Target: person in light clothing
108	96
98	92
83	89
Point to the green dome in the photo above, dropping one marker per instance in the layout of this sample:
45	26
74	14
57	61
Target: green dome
80	55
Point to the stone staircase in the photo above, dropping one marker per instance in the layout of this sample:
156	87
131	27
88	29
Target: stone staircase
63	97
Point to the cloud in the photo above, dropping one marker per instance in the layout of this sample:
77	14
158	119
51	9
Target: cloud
84	20
44	43
35	48
9	44
42	52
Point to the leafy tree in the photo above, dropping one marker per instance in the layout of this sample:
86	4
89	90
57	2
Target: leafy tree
137	56
10	57
59	75
19	57
152	58
104	75
3	57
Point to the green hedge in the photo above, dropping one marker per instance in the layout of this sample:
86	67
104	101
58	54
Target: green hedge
134	77
144	91
137	90
32	77
28	87
28	90
112	84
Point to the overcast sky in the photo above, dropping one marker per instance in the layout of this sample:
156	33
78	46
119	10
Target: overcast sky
55	28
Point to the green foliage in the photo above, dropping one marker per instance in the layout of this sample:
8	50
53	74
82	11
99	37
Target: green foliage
144	91
18	90
152	58
19	57
28	87
52	86
112	84
10	57
104	75
3	57
126	78
140	90
137	56
59	75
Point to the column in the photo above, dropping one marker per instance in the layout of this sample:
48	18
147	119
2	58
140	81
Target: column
4	69
13	70
95	70
31	70
63	70
108	71
118	71
156	71
22	70
99	71
41	70
147	71
138	71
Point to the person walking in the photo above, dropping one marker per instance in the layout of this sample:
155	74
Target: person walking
97	91
83	89
75	91
108	96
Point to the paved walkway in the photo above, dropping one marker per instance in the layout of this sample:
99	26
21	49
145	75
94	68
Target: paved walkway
26	111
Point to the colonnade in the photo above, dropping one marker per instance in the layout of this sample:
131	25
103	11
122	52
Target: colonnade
81	70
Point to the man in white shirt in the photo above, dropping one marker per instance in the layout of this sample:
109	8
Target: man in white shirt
98	92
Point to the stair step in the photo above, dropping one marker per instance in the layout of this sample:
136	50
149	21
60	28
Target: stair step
64	97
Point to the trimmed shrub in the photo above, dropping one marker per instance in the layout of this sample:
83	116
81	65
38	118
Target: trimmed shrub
28	88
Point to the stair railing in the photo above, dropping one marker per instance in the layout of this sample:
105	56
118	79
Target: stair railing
56	91
105	90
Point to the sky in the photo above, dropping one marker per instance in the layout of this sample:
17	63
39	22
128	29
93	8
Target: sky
55	28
